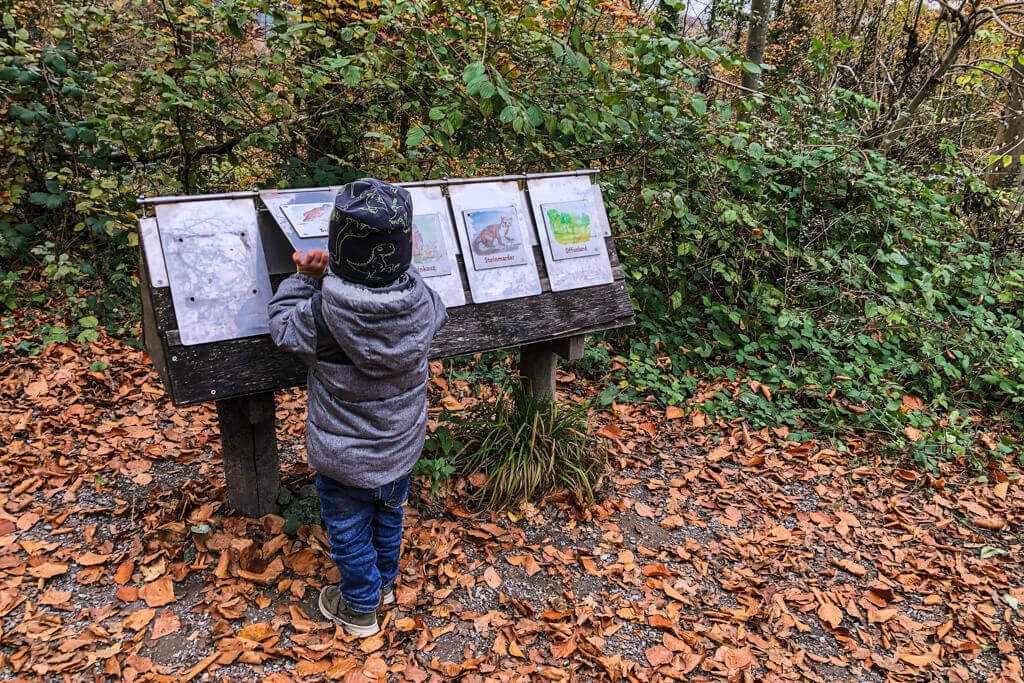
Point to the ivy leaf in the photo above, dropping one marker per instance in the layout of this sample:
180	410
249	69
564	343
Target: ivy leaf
50	201
751	68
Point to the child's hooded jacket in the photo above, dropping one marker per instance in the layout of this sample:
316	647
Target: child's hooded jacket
367	354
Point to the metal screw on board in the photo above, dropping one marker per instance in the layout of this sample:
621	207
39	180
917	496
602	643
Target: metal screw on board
213	392
174	358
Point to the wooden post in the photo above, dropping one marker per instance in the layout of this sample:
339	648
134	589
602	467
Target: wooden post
251	465
537	366
538	362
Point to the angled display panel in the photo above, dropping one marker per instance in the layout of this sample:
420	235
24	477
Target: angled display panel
215	267
494	231
434	245
303	215
602	214
154	252
571	232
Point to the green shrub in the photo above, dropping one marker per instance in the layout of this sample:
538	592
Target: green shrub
435	463
525	449
840	281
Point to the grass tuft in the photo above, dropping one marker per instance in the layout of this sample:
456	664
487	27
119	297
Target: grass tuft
525	449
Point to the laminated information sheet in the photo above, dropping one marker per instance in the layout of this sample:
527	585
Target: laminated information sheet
303	215
571	232
495	232
215	267
434	245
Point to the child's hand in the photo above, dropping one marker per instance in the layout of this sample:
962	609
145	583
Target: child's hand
314	264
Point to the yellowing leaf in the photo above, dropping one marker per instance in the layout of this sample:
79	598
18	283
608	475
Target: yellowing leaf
259	631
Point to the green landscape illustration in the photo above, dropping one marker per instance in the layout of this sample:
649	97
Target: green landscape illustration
571	226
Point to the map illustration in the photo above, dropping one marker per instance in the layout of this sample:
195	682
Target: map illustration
495	237
429	251
215	267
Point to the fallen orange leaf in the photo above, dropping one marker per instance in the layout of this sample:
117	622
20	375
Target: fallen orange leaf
158	593
91	559
165	624
658	655
491	578
47	570
140	619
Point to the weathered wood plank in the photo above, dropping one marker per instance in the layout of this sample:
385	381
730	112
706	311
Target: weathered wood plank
571	348
514	322
208	372
151	339
251	466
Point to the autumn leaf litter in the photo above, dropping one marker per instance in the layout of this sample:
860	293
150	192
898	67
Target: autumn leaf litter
715	552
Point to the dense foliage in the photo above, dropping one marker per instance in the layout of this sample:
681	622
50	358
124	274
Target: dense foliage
784	246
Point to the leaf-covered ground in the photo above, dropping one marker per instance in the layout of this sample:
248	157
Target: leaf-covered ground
715	553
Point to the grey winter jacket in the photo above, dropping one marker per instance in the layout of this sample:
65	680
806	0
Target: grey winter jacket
368	413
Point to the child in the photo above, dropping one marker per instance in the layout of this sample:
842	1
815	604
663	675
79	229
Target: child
364	332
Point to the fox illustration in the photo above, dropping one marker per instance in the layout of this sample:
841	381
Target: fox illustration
316	213
495	236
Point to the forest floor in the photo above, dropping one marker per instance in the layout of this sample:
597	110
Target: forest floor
713	553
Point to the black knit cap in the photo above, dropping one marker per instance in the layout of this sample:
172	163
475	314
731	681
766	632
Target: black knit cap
370	238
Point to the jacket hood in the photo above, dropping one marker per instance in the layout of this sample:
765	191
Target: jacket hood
385	331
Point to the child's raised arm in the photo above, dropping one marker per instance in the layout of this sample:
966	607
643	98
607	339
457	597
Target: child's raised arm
292	326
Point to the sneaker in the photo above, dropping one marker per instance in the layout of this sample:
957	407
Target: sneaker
333	607
387	594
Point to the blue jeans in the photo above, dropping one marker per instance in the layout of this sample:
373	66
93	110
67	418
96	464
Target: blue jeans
365	530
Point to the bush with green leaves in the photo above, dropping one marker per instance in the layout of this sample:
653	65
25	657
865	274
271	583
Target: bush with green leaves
435	463
781	252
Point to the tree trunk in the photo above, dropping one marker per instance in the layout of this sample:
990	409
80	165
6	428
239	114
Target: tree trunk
760	13
1009	140
903	121
667	18
712	17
